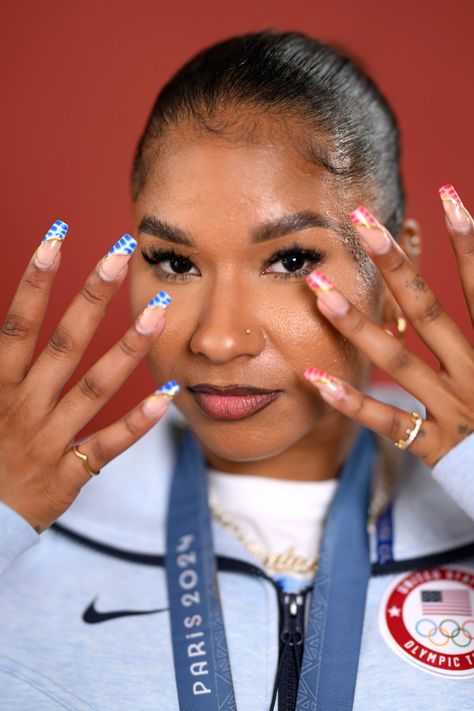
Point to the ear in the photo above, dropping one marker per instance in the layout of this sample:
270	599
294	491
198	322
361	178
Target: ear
409	240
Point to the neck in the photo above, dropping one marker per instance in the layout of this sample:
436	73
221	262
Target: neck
316	457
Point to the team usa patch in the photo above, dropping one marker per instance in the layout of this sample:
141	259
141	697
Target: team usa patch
426	617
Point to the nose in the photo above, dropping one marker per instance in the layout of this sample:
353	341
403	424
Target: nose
228	326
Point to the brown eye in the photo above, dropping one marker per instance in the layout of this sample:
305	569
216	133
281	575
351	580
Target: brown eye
295	261
179	265
169	263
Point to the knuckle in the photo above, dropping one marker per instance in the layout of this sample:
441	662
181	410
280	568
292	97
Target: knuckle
92	293
132	427
90	387
358	405
355	321
400	360
397	263
61	343
432	312
36	279
16	327
394	431
129	347
99	454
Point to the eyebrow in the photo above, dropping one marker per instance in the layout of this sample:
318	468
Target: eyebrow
269	230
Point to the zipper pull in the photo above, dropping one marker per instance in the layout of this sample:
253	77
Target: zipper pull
292	630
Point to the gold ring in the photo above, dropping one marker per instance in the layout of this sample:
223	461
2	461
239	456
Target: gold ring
85	461
412	433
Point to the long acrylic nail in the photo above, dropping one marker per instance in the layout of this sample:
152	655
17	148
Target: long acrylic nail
156	404
374	237
47	252
153	313
327	293
456	214
115	261
325	382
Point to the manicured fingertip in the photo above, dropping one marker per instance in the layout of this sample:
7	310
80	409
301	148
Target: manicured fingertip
169	389
328	296
372	234
47	253
156	404
112	266
457	216
326	384
153	313
318	281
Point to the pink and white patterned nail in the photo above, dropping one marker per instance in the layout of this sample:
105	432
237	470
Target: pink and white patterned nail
457	216
317	281
323	380
447	192
363	217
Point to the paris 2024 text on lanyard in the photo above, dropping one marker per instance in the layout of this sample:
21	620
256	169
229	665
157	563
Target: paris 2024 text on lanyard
201	658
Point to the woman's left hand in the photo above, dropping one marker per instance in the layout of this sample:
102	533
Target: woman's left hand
448	394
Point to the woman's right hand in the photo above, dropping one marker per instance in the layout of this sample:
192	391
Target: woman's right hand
40	476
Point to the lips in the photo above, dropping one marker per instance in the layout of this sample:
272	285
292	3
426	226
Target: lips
232	402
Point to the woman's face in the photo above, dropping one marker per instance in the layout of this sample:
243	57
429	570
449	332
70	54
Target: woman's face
228	221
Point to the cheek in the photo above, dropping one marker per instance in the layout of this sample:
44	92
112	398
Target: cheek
305	337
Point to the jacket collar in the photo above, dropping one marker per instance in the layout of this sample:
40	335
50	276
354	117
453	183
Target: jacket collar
125	506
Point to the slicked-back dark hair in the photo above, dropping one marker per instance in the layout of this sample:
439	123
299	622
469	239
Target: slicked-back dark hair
297	77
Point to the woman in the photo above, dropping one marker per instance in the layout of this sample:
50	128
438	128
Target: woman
246	186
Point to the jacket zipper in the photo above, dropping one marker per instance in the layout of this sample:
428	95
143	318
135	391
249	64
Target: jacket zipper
292	608
292	632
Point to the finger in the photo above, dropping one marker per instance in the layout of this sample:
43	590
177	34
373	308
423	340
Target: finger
67	344
424	311
461	230
385	351
389	421
106	376
108	443
26	312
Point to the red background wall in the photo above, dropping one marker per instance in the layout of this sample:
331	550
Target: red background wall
79	78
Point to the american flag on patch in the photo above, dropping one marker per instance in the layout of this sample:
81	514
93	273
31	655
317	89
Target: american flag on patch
446	602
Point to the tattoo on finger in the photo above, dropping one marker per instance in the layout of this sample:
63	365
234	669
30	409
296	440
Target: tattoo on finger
417	284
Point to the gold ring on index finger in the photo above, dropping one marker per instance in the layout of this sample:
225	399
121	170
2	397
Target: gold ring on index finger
85	461
411	433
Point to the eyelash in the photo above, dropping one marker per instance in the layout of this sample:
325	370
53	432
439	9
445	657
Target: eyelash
157	256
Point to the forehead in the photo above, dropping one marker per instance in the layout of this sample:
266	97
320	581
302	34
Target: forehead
237	177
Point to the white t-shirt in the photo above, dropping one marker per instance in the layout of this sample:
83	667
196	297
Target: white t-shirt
281	522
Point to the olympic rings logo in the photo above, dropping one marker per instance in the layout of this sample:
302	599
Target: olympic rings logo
426	627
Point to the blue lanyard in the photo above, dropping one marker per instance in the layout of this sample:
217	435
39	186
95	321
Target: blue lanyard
330	659
385	537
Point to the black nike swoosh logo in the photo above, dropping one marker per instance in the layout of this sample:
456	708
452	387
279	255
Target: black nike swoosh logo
92	616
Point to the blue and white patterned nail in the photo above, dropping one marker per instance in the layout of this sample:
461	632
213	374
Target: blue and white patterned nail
156	404
171	389
57	231
162	299
113	264
45	255
153	312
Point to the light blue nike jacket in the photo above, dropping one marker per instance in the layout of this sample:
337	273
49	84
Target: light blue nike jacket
84	622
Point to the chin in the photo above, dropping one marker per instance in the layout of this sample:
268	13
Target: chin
252	439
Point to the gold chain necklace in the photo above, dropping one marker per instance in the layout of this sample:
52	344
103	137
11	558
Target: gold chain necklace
288	561
383	488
